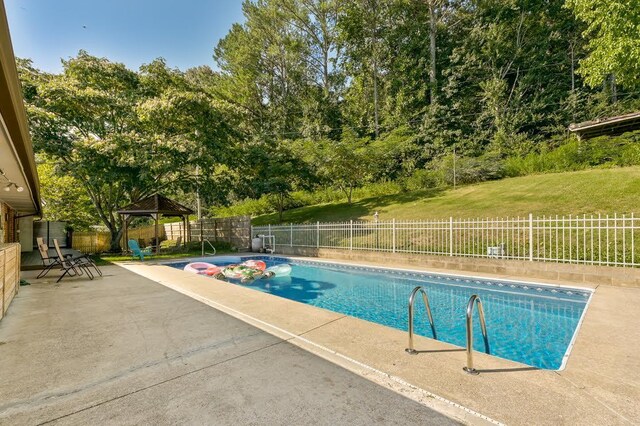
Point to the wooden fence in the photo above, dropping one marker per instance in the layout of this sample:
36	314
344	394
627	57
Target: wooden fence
91	242
9	275
234	230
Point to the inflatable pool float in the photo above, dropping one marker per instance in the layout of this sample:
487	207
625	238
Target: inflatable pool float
282	270
242	272
255	264
198	267
213	270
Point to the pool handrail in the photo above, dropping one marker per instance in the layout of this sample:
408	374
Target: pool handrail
410	350
204	240
475	300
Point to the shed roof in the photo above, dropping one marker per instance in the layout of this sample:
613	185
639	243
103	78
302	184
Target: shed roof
156	204
607	126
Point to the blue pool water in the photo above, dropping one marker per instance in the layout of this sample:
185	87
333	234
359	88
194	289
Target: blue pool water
529	323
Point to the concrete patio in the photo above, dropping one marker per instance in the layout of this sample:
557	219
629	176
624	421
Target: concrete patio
126	350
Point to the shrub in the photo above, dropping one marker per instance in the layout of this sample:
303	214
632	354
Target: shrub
574	155
423	179
470	169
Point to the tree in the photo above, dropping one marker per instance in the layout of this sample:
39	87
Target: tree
122	135
614	41
277	173
57	189
344	164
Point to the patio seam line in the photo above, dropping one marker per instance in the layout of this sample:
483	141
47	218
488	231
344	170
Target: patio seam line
164	381
320	326
583	389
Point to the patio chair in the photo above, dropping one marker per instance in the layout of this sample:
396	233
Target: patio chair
69	265
137	252
82	260
48	262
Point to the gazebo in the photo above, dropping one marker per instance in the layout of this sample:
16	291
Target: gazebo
155	206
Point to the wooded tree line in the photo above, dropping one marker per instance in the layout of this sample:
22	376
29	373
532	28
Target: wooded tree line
309	93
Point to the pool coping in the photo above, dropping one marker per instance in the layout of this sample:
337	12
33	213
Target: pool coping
415	377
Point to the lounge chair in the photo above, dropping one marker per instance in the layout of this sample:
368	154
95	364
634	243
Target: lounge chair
66	265
82	260
137	252
48	262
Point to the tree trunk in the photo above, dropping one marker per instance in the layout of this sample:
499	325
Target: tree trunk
280	207
432	50
374	56
116	234
614	90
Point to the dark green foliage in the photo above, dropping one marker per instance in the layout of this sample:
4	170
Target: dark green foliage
603	151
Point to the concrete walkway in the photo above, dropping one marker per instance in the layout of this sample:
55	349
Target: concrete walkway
126	350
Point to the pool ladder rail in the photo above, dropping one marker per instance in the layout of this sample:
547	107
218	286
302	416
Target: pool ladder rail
473	300
411	350
204	240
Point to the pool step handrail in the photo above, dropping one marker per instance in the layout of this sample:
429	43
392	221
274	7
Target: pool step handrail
425	298
475	300
204	240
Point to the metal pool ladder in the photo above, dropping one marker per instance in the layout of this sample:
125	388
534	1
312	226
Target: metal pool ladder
410	350
475	299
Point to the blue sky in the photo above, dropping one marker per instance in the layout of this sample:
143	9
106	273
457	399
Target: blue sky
184	32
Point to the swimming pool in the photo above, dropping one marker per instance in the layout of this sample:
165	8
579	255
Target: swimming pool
530	323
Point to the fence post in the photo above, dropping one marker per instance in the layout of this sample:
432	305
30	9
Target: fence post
531	237
450	235
269	229
351	235
318	235
291	235
394	235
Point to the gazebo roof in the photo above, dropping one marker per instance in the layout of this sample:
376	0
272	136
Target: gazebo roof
155	204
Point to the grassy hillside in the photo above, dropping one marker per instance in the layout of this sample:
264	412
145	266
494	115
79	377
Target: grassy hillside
590	191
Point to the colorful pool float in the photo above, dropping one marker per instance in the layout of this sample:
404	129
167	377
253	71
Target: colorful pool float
242	272
198	267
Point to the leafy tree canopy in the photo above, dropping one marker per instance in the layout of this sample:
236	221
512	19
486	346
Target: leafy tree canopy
613	34
124	135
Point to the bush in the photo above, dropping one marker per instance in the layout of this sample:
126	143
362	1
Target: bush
266	205
469	169
575	155
423	179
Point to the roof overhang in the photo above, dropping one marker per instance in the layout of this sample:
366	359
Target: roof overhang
607	126
16	152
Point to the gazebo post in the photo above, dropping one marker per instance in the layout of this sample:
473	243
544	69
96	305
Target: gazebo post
126	232
155	217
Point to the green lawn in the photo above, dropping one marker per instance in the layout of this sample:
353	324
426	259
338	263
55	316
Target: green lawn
614	190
